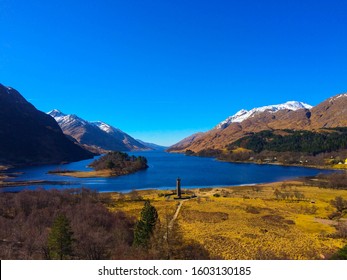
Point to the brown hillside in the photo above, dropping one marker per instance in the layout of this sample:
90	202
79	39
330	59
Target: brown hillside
330	113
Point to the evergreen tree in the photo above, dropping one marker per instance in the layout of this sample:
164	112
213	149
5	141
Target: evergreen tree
60	238
340	254
145	226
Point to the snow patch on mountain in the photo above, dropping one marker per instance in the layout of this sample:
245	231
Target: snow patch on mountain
106	127
66	120
63	119
243	114
56	113
338	96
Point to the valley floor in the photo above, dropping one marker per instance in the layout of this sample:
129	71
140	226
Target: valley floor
283	220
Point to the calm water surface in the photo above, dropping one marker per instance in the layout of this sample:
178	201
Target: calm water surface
163	170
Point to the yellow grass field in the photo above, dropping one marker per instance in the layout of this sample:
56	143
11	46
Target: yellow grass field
251	222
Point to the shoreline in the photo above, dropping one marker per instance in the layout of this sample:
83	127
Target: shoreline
323	167
9	184
85	174
289	165
109	173
5	176
215	187
5	184
104	173
299	181
4	168
189	189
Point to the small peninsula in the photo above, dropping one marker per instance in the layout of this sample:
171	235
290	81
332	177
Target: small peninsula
112	164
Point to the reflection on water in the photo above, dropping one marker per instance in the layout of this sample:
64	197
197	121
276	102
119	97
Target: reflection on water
163	170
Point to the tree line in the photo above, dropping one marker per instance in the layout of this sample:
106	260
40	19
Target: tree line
308	142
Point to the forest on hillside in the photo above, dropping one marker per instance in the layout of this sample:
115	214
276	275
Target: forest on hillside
309	142
326	147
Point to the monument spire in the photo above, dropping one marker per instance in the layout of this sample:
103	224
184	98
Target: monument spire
178	187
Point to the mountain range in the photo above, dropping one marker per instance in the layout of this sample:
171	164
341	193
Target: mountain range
290	115
96	136
152	145
31	137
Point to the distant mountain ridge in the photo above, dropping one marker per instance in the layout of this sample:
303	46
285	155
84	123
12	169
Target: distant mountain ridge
152	145
29	136
96	135
290	115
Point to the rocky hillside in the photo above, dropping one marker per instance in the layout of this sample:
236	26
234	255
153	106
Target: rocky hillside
96	135
29	136
291	115
330	113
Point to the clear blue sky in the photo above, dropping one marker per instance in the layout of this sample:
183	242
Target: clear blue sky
163	69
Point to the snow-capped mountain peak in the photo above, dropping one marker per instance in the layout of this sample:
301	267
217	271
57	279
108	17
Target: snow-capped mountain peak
56	113
96	134
66	120
243	114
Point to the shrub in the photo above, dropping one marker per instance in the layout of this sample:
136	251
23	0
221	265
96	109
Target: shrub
340	254
252	210
339	203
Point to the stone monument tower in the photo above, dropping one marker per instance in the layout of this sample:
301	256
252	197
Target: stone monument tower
178	187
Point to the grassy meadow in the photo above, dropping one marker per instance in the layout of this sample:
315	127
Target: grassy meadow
284	220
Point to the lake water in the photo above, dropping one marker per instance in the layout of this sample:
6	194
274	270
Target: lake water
163	170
